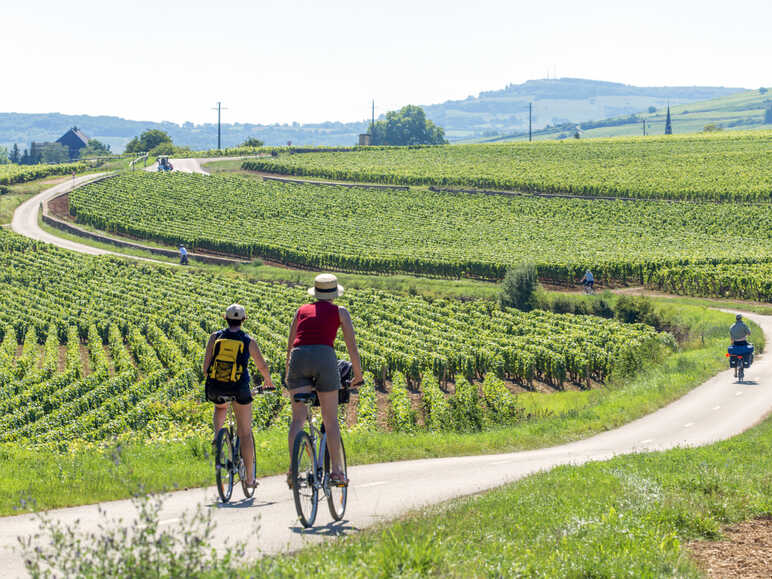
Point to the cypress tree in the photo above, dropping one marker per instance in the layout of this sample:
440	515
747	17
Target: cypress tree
668	126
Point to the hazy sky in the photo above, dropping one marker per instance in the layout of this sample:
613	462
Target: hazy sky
299	60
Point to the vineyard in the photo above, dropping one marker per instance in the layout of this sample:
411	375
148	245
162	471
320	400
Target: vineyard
10	174
745	281
430	233
697	167
93	348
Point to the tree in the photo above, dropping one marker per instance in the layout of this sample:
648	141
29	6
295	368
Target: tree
148	141
518	289
94	149
768	115
407	126
15	156
25	158
711	128
4	156
252	142
668	126
652	109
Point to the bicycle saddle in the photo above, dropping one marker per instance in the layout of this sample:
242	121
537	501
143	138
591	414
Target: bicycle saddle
306	397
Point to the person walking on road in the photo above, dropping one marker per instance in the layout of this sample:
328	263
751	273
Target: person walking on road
313	365
227	378
183	255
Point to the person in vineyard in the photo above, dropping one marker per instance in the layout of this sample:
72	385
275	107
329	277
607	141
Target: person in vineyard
588	280
183	255
313	365
227	378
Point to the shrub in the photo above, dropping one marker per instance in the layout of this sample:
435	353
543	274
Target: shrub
141	549
500	404
436	405
465	407
401	414
367	410
518	289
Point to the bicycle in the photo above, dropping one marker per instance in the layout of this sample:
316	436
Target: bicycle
311	467
228	461
740	358
588	290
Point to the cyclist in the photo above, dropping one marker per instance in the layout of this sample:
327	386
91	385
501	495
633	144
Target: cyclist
313	365
588	281
227	378
739	332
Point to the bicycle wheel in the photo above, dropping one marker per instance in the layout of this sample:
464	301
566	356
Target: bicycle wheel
248	492
740	371
336	496
305	491
223	465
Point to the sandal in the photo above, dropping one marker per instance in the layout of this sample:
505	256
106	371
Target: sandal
338	479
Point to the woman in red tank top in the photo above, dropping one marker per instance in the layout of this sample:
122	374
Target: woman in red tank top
313	365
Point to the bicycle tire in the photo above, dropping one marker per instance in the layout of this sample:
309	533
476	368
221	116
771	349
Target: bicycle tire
248	492
305	489
223	465
740	371
336	496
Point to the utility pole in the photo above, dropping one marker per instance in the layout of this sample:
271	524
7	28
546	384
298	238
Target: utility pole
219	133
644	127
529	121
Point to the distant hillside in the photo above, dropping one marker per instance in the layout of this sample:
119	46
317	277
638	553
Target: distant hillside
740	111
556	101
493	113
22	129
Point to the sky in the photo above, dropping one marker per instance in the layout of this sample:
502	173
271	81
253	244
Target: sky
310	61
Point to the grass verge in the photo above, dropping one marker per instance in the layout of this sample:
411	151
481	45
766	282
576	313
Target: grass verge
36	479
627	517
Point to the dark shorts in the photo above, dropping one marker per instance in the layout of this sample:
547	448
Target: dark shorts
315	366
220	394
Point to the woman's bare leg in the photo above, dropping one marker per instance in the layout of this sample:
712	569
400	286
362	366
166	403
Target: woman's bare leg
244	424
329	404
298	415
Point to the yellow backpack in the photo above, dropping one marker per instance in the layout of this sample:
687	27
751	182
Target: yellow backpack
225	367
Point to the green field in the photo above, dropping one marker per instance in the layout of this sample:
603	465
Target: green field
724	166
10	174
423	232
739	111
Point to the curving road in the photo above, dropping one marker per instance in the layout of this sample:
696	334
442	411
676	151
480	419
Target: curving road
716	410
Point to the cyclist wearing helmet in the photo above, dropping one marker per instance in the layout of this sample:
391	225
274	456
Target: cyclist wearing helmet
313	365
227	378
739	332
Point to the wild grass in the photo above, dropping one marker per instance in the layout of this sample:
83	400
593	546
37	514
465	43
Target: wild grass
627	517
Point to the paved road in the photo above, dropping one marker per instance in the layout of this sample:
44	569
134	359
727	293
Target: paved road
716	410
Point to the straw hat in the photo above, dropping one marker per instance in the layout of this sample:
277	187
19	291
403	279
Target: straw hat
326	287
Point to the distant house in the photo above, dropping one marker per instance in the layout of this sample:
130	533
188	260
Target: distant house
74	140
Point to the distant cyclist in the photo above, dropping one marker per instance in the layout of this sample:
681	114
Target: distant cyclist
313	365
183	255
588	281
227	378
739	332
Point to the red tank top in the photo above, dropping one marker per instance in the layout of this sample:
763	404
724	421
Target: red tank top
317	324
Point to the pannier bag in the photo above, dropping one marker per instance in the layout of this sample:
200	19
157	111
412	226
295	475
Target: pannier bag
745	351
225	368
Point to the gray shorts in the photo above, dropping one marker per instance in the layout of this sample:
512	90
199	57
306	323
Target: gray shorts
315	366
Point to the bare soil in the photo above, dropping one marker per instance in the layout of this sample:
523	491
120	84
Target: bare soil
746	552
